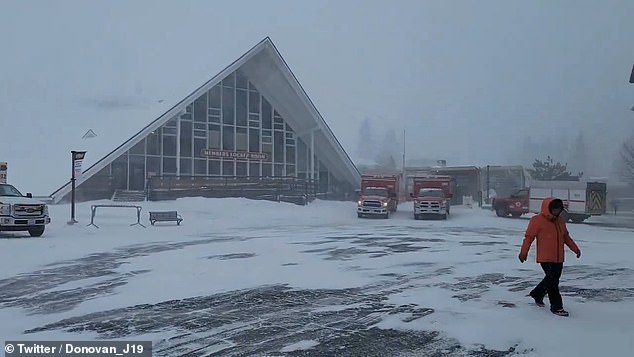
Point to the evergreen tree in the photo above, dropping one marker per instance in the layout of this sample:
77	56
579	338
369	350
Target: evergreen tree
366	141
579	155
548	170
388	150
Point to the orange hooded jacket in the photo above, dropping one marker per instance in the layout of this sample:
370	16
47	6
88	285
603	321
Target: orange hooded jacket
551	234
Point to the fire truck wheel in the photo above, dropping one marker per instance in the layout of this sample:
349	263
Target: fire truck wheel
516	215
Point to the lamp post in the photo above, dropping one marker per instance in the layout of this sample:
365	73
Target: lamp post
77	158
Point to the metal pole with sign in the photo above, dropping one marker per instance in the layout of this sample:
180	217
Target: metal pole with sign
77	158
3	172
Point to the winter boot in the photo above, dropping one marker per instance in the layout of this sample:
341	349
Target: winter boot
538	300
560	312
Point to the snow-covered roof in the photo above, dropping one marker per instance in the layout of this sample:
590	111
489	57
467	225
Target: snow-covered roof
82	117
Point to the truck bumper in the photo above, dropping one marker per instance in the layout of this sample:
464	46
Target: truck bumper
513	208
372	210
426	210
22	224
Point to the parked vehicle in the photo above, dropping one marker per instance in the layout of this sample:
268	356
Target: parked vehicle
581	199
515	205
378	196
432	196
21	212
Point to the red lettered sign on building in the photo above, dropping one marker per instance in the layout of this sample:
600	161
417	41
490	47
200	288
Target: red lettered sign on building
228	154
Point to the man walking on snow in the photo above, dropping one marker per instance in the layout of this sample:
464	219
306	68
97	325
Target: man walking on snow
551	233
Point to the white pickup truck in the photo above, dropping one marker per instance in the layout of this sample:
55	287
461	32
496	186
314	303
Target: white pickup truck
22	213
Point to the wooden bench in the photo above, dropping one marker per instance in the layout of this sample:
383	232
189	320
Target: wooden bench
165	216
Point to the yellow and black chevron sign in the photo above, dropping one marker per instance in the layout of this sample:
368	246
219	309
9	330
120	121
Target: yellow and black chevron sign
596	202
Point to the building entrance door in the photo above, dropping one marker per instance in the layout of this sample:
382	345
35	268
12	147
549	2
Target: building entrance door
137	174
120	175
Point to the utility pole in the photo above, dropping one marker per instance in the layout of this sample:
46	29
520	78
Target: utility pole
403	179
403	151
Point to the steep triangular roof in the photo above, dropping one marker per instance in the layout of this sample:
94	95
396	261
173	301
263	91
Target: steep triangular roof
267	70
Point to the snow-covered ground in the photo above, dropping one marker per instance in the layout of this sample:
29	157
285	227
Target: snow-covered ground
242	277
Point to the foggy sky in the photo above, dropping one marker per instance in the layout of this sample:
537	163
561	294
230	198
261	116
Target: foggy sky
469	81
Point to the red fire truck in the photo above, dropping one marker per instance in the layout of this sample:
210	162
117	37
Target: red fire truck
432	196
515	205
378	196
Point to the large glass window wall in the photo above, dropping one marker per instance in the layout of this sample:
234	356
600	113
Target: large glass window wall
231	130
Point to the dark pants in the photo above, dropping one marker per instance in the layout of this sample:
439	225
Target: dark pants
550	285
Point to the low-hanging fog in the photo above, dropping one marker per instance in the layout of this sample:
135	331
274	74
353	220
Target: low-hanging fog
473	83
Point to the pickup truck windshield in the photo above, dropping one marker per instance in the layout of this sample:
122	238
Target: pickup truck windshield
375	192
425	192
8	190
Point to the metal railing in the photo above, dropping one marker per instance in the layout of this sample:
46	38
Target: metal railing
232	186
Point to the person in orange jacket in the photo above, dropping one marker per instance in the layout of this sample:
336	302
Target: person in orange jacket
549	228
